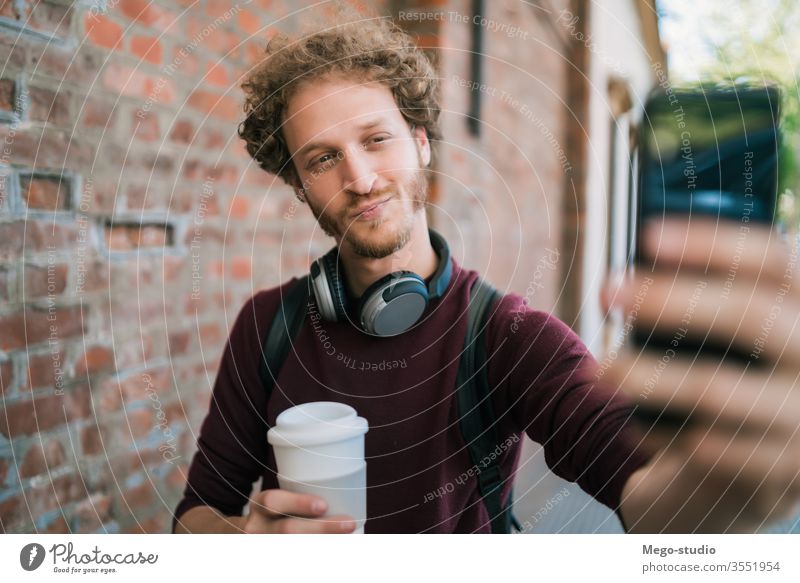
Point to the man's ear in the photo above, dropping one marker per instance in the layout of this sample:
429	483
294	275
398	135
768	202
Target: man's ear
423	145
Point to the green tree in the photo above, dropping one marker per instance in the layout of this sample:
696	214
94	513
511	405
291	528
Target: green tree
749	40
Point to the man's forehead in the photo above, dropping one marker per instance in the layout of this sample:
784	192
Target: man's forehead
318	112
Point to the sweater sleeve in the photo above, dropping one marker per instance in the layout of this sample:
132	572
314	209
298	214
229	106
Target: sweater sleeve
232	448
547	384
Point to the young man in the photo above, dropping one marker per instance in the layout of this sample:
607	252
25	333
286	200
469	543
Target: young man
346	117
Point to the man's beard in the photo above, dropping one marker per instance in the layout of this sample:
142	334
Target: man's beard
416	188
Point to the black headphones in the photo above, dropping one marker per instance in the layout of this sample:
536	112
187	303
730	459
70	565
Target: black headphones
388	307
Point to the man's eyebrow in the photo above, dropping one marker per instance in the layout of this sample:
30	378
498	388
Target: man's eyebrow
314	145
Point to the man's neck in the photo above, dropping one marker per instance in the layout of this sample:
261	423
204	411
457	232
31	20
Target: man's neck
417	256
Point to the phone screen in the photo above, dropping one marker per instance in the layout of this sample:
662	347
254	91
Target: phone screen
711	152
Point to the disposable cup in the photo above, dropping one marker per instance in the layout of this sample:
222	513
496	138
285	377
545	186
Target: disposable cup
319	449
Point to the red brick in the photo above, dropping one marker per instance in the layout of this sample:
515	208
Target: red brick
65	64
132	82
32	326
241	268
153	525
41	458
48	147
210	333
52	18
56	493
94	360
15	51
28	417
182	132
213	138
6	378
92	513
41	193
42	235
214	38
91	440
249	22
125	80
152	236
7	9
57	526
103	31
145	127
147	48
46	370
5	178
141	496
112	392
143	460
118	238
140	422
94	278
187	63
222	106
13	511
7	88
239	207
97	113
178	343
4	465
217	75
42	281
144	12
49	106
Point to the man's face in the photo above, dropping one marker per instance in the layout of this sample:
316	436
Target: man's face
352	150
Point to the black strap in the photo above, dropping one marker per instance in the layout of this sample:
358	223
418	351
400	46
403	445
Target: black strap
285	326
476	413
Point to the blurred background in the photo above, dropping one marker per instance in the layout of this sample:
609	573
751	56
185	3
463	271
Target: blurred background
133	225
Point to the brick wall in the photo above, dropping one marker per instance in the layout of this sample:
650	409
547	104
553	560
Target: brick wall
133	226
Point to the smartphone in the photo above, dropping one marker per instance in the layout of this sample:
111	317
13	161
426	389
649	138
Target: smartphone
711	152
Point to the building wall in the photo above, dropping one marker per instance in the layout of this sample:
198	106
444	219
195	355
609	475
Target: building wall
500	193
616	52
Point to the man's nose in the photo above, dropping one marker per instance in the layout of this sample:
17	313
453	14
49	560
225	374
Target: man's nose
358	175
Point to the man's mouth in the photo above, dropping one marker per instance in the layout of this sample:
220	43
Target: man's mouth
370	210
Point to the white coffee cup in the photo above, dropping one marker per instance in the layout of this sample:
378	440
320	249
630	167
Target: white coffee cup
319	450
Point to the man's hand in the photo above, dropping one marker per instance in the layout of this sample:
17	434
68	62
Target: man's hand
735	466
284	512
271	512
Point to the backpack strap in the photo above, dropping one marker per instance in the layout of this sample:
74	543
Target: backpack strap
476	413
284	328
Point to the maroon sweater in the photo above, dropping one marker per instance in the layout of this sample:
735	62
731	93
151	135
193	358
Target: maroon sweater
418	469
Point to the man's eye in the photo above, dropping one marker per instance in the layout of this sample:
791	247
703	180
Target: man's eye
377	140
322	160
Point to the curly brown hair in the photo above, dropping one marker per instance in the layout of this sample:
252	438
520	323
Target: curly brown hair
372	49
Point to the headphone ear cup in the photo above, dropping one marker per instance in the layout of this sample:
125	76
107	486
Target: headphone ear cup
393	304
336	286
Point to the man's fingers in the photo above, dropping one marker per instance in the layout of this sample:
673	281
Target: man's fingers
719	245
339	524
760	320
282	503
765	463
728	395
